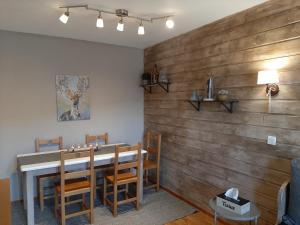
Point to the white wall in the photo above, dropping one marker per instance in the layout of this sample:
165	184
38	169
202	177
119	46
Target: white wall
28	66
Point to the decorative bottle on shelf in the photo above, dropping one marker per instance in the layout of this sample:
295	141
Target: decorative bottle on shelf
154	75
163	78
210	90
195	96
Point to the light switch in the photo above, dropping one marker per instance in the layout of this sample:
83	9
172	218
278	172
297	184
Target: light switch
271	140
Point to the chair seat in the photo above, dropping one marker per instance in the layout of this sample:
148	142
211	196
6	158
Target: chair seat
74	185
149	164
123	177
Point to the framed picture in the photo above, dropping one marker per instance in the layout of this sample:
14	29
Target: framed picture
72	98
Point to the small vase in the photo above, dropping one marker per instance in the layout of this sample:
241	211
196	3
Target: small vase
223	98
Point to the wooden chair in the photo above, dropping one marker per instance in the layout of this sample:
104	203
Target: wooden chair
40	144
282	201
78	182
5	203
152	161
89	139
123	175
99	170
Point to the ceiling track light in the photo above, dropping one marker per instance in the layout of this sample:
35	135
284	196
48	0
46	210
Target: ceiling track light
141	29
121	13
170	23
100	22
120	26
65	16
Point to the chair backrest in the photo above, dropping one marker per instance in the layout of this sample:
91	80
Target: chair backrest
80	172
96	138
282	201
153	145
42	143
132	164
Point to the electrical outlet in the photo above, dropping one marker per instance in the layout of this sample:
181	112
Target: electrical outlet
271	140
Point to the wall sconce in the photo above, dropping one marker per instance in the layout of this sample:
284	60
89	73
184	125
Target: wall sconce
271	79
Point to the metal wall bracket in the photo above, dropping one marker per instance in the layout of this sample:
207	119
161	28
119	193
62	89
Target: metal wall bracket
195	104
164	86
228	105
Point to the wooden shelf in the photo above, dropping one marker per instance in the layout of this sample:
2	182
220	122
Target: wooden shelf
164	86
228	105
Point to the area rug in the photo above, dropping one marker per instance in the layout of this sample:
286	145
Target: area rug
158	208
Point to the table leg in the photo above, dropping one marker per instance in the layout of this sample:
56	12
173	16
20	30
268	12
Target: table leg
141	180
30	198
23	180
215	219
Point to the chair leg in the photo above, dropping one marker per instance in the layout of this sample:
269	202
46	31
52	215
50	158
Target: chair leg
95	186
63	211
55	203
126	191
83	204
92	199
137	196
104	191
41	193
146	176
157	179
115	203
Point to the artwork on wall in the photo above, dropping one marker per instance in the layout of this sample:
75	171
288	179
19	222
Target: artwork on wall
72	98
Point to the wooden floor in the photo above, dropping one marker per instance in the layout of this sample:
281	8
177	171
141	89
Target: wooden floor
199	218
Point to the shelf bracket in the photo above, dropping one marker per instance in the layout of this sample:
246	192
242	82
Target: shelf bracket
149	90
148	87
228	106
195	104
162	85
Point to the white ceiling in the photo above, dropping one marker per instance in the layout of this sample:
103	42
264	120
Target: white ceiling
41	17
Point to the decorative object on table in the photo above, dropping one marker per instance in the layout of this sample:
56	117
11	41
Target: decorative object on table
72	98
231	201
146	78
154	75
210	90
252	215
163	78
223	95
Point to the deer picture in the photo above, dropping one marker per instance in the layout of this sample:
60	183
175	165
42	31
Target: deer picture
71	89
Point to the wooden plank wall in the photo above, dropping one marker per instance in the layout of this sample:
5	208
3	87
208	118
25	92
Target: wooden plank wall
204	153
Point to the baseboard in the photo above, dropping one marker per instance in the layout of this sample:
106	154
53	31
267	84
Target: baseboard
192	204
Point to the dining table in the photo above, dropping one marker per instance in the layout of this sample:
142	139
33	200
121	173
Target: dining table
32	165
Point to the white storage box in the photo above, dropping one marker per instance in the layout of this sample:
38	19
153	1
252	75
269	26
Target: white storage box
240	206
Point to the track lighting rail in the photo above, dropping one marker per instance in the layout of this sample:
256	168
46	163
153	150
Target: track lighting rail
117	13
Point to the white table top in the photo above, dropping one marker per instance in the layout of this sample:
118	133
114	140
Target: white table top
253	214
54	162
